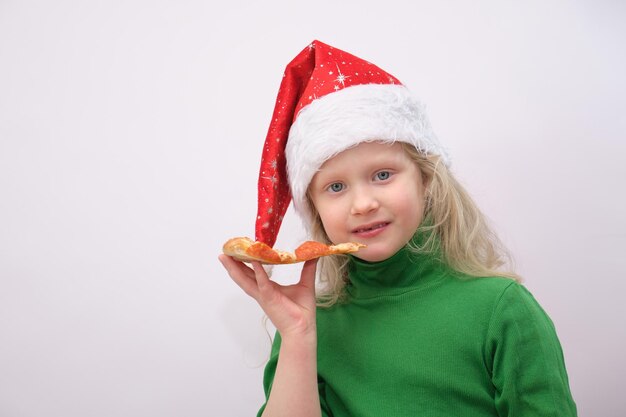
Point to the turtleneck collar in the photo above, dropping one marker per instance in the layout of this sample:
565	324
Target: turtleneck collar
402	272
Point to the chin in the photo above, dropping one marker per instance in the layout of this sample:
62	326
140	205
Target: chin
373	255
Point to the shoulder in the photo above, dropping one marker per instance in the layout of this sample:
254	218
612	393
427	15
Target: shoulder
516	310
509	294
493	296
487	289
494	284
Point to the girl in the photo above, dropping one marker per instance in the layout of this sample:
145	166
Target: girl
422	322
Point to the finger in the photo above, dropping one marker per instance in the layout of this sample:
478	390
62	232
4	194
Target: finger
307	277
275	301
241	274
260	275
268	290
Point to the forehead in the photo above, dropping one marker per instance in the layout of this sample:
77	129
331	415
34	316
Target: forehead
367	153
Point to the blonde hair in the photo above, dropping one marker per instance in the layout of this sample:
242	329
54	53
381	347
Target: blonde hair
454	225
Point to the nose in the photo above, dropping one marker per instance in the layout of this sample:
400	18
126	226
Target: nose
364	201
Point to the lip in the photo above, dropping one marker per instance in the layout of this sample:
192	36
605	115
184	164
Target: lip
370	230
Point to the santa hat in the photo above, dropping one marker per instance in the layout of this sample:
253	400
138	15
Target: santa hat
329	101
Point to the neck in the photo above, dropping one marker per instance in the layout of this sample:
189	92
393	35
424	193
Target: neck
406	270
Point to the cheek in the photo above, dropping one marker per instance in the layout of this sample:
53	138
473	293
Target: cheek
413	205
332	221
329	219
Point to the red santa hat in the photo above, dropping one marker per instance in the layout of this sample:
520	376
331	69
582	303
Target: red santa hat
330	101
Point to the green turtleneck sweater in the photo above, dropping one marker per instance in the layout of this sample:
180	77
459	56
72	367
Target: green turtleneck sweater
417	339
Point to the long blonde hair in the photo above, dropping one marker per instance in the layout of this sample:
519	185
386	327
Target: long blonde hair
454	225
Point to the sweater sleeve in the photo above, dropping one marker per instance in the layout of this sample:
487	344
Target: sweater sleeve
270	371
527	366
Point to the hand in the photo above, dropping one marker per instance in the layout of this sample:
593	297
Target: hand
291	308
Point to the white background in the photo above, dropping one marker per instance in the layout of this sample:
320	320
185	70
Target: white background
130	138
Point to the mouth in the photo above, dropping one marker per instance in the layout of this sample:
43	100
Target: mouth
370	227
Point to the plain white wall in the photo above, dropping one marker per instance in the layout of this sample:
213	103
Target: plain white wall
130	138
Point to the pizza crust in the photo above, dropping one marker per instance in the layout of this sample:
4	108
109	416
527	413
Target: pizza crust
247	250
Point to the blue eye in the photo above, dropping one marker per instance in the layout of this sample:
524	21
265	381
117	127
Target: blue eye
335	187
383	175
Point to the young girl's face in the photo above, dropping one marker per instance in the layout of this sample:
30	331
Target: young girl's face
372	194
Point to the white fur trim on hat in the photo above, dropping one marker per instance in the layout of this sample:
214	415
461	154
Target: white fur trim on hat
343	119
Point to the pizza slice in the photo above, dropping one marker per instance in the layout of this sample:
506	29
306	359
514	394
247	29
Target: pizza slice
247	250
